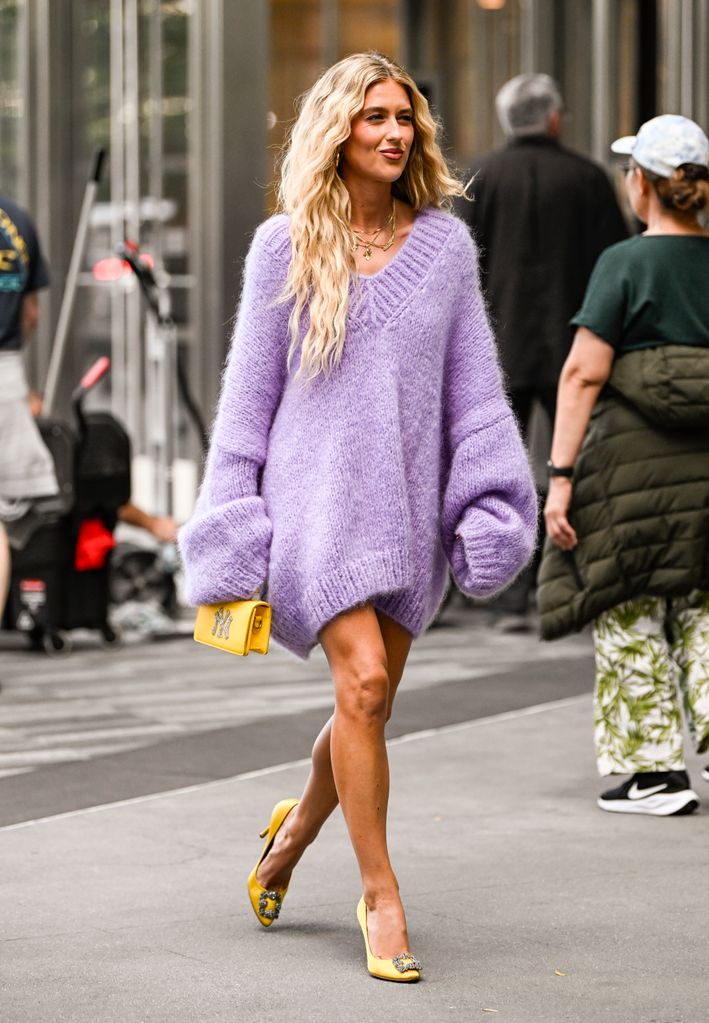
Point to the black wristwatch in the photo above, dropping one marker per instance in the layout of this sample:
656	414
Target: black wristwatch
559	470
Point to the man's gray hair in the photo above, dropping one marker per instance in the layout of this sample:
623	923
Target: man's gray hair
525	104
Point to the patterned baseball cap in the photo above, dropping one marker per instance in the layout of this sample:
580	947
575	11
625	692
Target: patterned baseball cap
664	143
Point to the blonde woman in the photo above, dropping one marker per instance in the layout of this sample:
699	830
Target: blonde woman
363	444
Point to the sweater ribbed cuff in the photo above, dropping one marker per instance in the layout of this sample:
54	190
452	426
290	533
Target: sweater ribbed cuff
226	551
486	558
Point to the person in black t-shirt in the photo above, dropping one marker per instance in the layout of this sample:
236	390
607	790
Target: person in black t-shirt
22	273
26	467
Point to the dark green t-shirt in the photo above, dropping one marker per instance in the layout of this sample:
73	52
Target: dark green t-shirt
648	291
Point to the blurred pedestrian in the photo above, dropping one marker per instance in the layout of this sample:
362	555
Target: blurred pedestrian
162	527
363	442
542	215
26	466
628	506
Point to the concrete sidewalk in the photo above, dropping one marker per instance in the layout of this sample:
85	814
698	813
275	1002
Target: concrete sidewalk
525	902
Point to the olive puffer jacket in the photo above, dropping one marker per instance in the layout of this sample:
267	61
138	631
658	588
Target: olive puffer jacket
640	503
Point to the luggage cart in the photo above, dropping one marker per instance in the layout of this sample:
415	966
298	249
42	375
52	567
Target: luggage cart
50	593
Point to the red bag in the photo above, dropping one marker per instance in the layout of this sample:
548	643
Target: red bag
92	545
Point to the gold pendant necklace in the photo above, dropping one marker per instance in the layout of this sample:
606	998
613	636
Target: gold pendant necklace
367	246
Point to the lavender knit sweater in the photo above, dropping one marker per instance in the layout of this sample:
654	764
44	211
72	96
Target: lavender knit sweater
366	485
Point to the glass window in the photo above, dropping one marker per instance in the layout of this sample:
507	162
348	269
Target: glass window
461	57
12	113
303	34
164	112
131	96
295	62
369	25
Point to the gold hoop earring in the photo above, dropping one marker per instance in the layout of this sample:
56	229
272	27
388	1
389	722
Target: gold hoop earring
336	157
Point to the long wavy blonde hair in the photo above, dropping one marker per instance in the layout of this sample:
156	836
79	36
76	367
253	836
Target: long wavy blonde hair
314	196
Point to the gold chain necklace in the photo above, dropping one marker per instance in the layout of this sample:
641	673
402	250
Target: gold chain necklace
375	230
367	245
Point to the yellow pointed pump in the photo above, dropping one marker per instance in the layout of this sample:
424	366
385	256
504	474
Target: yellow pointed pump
266	902
403	968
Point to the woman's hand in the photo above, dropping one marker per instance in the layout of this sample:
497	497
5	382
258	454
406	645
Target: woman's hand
586	370
559	529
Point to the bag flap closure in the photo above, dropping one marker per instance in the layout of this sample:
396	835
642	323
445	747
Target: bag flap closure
237	626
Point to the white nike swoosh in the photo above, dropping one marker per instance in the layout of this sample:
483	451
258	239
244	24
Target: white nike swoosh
635	793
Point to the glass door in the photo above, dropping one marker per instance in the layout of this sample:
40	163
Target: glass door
131	96
13	73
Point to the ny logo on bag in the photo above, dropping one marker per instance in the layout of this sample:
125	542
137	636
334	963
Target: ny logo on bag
222	621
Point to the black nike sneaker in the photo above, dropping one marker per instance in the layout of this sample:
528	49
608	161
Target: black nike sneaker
705	773
660	793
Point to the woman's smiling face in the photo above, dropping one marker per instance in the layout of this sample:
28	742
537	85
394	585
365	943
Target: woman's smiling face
381	135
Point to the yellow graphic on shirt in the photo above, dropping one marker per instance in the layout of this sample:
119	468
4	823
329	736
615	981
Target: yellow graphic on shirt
14	237
8	260
14	262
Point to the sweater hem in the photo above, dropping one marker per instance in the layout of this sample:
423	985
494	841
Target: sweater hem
355	582
414	610
365	580
406	607
411	608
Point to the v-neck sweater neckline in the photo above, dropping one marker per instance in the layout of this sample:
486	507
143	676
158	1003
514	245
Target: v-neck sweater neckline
385	291
376	298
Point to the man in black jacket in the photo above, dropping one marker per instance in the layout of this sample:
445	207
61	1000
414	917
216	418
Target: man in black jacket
541	216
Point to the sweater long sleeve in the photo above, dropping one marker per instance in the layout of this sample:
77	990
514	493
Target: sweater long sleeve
225	545
489	511
362	486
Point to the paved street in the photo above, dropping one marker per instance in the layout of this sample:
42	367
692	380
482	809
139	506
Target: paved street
97	726
135	783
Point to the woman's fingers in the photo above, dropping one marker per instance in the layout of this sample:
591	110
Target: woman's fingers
562	533
558	527
560	530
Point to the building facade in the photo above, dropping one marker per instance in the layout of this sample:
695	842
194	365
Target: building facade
192	100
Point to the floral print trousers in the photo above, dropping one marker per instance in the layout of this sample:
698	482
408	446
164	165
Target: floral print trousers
649	653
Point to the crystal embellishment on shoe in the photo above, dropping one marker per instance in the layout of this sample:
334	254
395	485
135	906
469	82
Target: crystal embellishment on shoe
267	902
276	898
402	968
405	962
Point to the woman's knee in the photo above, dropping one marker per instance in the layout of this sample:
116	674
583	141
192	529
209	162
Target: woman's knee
362	693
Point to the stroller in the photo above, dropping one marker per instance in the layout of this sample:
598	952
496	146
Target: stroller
60	573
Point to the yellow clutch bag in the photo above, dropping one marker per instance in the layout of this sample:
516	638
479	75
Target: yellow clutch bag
237	627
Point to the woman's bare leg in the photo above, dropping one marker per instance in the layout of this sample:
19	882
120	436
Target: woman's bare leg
303	823
4	569
319	797
355	649
365	643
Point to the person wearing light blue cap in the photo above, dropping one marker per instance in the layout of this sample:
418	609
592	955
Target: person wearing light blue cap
666	143
628	509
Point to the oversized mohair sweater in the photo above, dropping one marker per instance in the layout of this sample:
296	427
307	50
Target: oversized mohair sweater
364	485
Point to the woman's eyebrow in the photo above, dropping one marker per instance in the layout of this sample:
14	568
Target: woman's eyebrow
384	110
